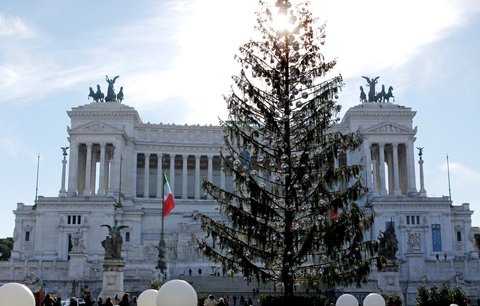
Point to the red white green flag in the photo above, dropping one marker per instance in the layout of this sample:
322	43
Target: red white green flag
168	201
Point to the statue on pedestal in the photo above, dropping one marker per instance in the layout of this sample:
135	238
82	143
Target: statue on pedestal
111	96
113	242
388	243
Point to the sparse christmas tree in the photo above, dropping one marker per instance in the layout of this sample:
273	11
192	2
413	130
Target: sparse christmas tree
292	216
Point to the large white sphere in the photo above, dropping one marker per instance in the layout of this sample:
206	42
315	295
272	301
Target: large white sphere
453	305
148	298
177	292
347	300
374	299
16	294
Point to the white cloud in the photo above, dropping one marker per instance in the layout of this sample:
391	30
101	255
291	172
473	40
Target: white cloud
11	26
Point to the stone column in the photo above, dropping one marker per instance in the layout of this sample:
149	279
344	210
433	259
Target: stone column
101	183
73	169
197	176
184	176
114	154
381	150
159	175
396	174
210	171
423	192
63	192
411	167
368	166
222	174
171	179
146	177
88	170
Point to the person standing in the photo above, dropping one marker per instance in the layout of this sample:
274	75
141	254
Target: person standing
125	301
48	301
108	302
100	302
220	302
210	301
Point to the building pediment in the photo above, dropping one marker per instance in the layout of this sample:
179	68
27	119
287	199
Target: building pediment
95	127
389	128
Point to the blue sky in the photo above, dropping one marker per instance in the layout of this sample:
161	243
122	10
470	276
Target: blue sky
175	60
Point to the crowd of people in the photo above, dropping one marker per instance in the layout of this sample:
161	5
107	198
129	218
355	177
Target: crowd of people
50	300
225	301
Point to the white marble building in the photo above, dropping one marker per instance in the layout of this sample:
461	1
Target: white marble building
112	175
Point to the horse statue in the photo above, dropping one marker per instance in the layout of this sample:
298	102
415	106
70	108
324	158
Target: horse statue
363	96
99	95
91	94
120	95
96	96
380	97
371	85
389	95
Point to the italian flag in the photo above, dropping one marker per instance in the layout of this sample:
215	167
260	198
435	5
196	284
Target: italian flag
168	202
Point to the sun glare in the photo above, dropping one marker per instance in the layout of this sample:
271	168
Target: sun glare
283	22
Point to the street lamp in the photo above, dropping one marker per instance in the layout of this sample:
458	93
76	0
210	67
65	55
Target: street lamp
16	294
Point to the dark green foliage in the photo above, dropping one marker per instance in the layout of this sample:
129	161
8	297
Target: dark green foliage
443	296
6	246
392	300
301	300
292	217
201	299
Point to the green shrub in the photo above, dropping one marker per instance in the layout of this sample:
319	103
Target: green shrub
443	296
392	300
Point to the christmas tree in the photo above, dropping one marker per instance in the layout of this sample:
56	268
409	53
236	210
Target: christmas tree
293	216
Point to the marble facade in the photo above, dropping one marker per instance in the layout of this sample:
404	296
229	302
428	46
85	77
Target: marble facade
113	175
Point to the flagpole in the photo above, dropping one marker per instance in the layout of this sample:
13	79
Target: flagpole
36	181
163	204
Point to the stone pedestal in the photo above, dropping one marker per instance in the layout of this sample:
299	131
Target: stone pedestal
77	266
416	274
112	278
389	280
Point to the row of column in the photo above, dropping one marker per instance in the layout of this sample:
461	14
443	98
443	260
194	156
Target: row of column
82	177
398	158
144	190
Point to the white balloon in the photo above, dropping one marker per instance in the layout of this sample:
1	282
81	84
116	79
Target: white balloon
346	300
374	299
148	298
177	292
16	294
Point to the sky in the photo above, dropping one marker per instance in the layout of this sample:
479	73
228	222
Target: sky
175	60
